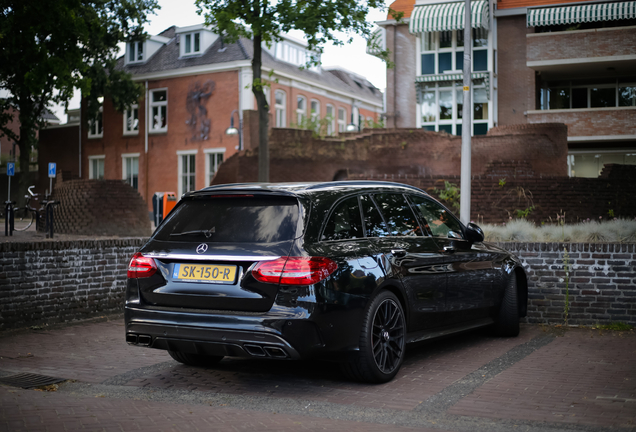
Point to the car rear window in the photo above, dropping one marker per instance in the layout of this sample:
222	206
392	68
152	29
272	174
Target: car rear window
243	219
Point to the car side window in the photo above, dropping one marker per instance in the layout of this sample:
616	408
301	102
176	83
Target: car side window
345	222
398	214
439	221
373	221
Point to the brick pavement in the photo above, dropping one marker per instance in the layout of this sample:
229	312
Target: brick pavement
583	380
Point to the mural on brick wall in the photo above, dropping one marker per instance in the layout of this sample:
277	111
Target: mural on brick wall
196	101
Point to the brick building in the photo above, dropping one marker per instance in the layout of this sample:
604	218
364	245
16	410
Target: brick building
197	85
534	61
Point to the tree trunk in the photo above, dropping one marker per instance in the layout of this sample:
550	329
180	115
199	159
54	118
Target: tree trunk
263	112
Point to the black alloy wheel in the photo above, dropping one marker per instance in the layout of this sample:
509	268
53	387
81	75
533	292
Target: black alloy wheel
507	321
382	341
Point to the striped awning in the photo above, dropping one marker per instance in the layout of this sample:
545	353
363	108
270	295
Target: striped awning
447	16
450	77
581	13
377	42
421	80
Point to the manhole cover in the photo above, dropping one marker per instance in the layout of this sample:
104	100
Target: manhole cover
28	380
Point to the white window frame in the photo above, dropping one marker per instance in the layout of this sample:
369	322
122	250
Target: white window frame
128	112
457	99
159	104
96	126
210	170
184	42
138	54
315	113
331	119
342	120
180	154
91	169
301	112
453	49
281	109
124	172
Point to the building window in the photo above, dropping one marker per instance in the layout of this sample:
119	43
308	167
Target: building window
192	43
131	120
590	163
444	51
602	93
187	171
96	126
158	110
213	159
342	119
442	106
280	108
301	110
130	169
331	120
315	109
135	52
96	167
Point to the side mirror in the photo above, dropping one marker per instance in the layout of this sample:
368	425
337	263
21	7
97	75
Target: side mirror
474	233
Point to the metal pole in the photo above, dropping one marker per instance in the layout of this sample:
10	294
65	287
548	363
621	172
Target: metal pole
467	114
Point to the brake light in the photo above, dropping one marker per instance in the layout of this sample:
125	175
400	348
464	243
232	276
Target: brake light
294	270
141	267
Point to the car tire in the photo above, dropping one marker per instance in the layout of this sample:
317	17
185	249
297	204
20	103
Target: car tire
382	341
507	322
194	359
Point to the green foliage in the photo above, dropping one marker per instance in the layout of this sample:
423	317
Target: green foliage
450	194
610	213
616	326
523	214
51	48
502	182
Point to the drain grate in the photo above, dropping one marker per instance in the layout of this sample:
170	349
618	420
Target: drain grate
29	380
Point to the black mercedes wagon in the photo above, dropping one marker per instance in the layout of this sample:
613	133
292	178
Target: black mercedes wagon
348	271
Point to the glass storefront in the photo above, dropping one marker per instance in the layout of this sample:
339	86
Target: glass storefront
590	164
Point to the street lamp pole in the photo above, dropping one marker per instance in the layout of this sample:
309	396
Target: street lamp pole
467	114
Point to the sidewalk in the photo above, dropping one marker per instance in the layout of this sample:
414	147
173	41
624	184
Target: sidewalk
541	381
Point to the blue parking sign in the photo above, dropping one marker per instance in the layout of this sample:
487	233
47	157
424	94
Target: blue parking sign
52	169
10	169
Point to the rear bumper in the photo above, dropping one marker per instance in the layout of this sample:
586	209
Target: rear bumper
282	332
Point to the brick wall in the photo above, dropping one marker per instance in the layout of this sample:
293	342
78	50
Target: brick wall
60	281
591	121
515	81
100	207
579	198
297	155
602	282
578	44
52	282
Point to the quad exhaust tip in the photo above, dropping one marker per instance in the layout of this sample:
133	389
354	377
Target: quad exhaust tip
136	339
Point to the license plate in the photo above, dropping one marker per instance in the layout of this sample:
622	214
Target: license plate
204	273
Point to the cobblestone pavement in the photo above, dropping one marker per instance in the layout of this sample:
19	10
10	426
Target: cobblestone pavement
580	379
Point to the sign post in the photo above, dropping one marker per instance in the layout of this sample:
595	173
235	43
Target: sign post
10	173
8	222
52	174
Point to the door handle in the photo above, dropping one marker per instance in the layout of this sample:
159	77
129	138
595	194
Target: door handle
449	249
398	252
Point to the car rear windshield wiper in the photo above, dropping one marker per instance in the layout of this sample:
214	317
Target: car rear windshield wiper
206	233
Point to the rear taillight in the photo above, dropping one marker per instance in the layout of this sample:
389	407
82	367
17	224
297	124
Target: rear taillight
294	270
141	267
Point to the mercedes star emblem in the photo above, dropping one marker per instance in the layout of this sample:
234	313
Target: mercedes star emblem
202	248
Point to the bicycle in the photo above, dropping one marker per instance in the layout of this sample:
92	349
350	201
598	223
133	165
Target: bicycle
27	214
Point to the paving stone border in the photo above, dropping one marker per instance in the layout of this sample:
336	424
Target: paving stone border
58	281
